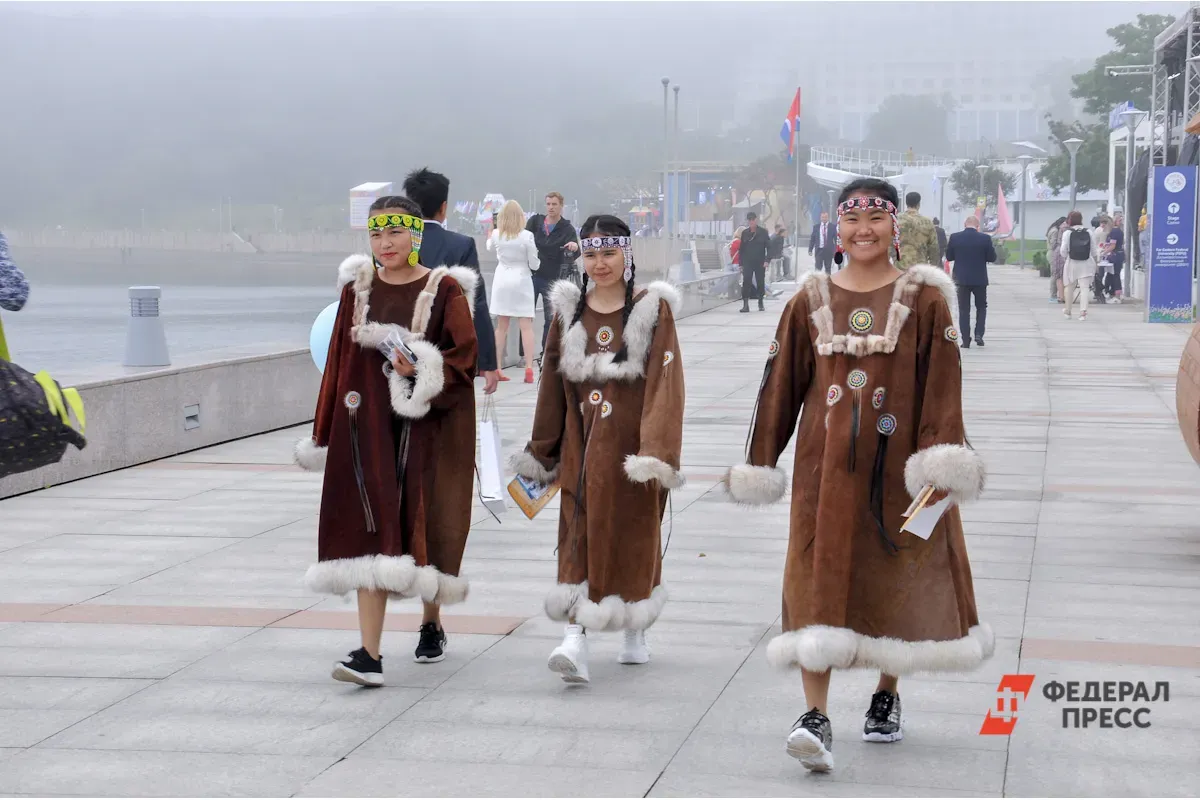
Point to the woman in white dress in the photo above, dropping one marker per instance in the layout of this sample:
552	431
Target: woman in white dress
512	287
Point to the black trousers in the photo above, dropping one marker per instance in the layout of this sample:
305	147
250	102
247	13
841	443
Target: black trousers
824	261
758	274
541	288
964	310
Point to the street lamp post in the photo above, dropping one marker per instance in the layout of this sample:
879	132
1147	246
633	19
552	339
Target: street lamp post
1072	146
666	214
1024	159
982	170
942	178
830	193
675	149
1132	118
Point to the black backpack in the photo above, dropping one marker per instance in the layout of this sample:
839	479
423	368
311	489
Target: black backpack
35	426
1080	247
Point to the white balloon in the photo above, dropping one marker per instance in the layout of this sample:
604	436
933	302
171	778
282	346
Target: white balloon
321	334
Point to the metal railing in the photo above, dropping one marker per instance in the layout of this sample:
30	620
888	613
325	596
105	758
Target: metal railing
842	157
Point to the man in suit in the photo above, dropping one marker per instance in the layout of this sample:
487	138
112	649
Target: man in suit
443	248
971	251
752	253
555	237
823	243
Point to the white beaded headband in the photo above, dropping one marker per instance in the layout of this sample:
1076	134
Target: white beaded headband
625	243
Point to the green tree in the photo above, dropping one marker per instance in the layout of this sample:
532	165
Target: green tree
1099	93
910	121
965	183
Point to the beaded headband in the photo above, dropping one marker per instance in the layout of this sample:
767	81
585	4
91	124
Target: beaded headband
866	204
416	225
604	242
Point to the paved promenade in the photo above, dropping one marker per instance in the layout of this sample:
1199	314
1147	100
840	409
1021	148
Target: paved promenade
156	639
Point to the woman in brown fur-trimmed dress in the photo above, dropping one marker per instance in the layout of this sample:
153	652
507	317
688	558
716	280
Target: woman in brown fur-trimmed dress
396	439
869	362
608	429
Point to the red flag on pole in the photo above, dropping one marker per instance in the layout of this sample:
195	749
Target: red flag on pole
791	124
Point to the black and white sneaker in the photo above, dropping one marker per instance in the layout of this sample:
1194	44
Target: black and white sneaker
883	718
432	646
360	668
811	741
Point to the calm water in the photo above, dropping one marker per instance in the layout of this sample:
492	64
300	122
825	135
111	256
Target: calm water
74	323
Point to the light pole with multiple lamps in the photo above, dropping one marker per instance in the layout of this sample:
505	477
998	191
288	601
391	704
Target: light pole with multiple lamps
1072	146
666	215
1024	159
1132	118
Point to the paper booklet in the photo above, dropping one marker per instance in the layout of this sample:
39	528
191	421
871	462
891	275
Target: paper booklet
920	518
531	496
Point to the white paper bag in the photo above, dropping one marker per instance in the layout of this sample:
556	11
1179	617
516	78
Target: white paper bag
491	470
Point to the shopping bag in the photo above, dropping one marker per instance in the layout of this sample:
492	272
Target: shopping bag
491	470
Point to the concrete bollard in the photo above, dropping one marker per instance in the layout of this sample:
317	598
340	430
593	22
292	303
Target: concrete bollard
145	339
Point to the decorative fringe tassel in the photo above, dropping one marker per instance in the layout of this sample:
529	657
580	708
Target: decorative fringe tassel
877	494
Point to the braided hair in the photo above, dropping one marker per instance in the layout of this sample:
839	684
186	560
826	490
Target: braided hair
608	225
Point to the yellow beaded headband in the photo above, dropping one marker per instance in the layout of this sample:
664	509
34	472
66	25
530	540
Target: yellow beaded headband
414	224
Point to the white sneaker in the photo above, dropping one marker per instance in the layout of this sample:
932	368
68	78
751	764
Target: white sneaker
634	650
569	659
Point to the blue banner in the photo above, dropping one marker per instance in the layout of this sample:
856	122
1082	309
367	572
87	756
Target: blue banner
1172	245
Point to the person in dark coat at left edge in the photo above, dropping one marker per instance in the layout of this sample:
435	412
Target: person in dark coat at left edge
443	248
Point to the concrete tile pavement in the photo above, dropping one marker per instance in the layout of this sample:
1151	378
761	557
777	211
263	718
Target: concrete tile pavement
155	637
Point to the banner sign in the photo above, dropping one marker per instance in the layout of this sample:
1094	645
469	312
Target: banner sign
1114	116
1172	245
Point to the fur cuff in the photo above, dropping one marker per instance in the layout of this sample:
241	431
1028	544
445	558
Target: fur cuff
821	647
525	465
756	486
309	455
399	575
952	468
411	397
570	601
643	469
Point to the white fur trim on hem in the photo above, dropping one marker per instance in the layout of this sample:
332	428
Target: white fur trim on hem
574	361
309	456
570	601
952	468
525	465
643	469
756	486
411	397
399	575
821	647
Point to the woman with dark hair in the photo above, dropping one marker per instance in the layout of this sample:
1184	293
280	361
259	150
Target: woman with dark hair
868	360
395	418
608	429
1054	236
1080	251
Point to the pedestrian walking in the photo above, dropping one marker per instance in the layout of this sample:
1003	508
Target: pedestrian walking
1116	256
395	436
1080	252
823	242
868	360
752	252
1054	235
608	429
512	285
971	251
917	234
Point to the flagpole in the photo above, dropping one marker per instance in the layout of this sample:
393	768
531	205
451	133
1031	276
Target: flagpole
796	158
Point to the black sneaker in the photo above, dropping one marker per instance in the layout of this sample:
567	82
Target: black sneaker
360	668
811	741
432	646
979	341
883	718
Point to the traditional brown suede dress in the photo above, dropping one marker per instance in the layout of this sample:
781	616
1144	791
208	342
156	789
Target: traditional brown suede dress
609	433
398	453
875	379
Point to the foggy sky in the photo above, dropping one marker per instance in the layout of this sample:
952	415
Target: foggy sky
112	107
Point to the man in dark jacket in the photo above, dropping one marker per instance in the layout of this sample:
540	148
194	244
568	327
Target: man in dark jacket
971	251
555	238
941	239
775	252
443	248
823	243
753	256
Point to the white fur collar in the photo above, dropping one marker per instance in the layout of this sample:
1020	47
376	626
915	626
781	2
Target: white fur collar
904	297
578	366
359	269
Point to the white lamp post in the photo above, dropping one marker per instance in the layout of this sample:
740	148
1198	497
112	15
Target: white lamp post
1072	146
1024	159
